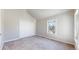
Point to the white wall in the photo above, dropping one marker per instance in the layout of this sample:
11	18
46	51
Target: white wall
10	24
16	24
0	21
65	28
77	23
0	30
27	24
1	36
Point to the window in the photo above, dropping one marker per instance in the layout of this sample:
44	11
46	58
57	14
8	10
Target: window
52	26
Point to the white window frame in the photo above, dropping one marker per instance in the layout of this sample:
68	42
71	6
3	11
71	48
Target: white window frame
55	27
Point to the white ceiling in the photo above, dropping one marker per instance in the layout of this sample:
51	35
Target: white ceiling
44	13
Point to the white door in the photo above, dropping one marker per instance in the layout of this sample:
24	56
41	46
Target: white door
76	29
1	44
0	22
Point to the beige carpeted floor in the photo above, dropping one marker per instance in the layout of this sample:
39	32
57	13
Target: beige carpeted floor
36	43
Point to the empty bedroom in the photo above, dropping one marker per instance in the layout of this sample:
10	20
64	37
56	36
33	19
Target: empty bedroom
37	29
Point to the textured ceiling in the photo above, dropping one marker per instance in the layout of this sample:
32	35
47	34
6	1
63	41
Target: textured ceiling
44	13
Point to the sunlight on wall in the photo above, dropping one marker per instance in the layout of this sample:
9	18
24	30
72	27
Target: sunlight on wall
27	27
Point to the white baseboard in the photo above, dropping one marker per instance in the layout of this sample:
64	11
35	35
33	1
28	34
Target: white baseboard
37	35
17	38
56	40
